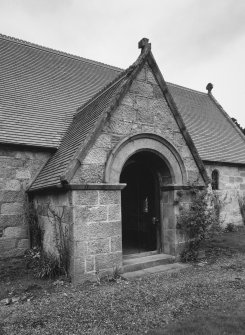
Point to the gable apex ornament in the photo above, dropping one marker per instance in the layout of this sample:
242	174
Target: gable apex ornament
143	43
209	87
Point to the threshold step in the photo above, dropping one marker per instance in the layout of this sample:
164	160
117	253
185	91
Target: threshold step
141	254
140	263
174	267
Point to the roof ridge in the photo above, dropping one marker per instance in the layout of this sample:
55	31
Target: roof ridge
59	52
186	88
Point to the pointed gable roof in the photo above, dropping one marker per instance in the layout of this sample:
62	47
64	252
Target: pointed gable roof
91	117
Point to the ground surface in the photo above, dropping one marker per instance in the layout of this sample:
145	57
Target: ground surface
208	298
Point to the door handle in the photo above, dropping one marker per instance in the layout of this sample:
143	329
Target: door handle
155	220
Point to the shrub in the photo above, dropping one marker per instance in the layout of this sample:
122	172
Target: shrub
198	222
231	228
241	201
44	265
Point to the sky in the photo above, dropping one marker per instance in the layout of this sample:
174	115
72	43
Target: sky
193	41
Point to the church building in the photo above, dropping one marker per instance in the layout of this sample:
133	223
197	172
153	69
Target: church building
111	150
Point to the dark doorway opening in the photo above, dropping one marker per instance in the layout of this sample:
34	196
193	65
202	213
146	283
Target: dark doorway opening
141	226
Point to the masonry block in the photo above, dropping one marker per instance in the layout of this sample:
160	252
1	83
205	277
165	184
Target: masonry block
142	88
128	100
114	212
23	174
85	197
104	141
13	185
15	232
89	173
102	229
11	220
23	244
142	103
145	116
7	244
116	243
7	172
108	261
79	248
118	126
125	113
91	214
109	197
98	246
12	208
90	263
96	156
12	196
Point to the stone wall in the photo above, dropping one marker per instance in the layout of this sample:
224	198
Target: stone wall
231	186
97	239
142	110
17	167
61	204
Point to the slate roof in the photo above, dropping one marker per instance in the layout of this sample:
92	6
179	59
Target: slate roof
80	130
41	89
215	136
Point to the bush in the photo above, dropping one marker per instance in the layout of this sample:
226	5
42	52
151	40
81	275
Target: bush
44	265
241	201
231	228
198	222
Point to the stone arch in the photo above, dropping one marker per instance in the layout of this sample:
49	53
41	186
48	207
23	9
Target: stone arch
145	142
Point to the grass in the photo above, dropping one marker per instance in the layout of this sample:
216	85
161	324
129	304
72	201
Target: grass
205	299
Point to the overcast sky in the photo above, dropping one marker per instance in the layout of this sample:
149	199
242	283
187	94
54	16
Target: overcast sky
193	41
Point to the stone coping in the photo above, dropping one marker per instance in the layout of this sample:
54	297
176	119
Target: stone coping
79	187
96	186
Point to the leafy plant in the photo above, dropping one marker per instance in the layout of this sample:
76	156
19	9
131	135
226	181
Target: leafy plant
199	221
44	265
231	227
241	201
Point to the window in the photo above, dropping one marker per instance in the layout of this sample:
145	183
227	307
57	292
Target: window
215	180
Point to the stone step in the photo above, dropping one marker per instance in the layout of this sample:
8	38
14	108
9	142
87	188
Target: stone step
140	263
174	267
140	254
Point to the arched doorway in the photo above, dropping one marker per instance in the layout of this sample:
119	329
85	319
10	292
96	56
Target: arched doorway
144	172
158	166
